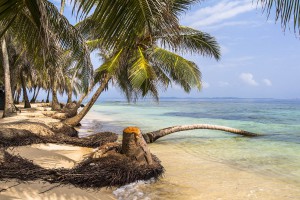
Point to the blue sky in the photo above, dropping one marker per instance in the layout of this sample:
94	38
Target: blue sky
259	60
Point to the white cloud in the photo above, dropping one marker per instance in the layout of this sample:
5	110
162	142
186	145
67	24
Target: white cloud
248	79
267	82
205	85
223	84
216	15
236	62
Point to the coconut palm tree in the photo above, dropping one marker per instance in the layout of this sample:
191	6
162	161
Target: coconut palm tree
141	68
9	108
39	27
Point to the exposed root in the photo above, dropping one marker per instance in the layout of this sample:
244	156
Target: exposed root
28	138
112	170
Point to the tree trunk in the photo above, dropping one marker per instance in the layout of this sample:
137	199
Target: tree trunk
70	92
37	93
76	119
32	99
55	103
135	147
17	96
25	96
9	108
153	136
48	93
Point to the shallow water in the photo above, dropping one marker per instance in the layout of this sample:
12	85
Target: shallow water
273	159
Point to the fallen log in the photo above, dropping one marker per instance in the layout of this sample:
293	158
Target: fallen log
155	135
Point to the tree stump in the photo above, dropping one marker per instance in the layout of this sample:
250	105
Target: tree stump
135	147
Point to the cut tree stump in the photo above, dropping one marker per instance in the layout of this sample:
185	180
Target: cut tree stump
135	147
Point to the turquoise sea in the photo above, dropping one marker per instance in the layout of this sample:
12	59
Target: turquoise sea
275	154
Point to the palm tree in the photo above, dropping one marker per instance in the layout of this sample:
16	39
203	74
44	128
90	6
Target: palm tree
141	68
9	108
38	26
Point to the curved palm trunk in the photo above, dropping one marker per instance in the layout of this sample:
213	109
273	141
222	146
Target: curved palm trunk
76	119
25	96
9	107
84	95
155	135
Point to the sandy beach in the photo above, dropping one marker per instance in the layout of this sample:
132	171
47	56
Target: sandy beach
185	177
48	156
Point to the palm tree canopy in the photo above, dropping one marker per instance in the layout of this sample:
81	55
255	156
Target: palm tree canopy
44	32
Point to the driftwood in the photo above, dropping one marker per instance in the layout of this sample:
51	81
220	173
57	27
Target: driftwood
155	135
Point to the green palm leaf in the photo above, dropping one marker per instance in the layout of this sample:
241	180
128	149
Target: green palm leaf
119	22
285	11
191	40
181	71
141	72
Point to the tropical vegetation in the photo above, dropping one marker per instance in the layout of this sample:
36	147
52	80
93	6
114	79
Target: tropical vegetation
141	43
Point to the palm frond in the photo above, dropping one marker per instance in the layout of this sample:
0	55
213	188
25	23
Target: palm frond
119	22
181	71
194	41
141	73
285	11
110	66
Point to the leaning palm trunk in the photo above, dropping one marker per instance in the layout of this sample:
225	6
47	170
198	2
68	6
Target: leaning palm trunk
25	96
155	135
76	119
9	107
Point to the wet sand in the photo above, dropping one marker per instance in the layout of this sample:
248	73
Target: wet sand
190	177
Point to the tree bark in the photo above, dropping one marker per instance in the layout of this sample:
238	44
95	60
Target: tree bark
36	95
32	99
9	108
155	135
25	96
70	92
17	96
48	94
135	147
76	119
55	103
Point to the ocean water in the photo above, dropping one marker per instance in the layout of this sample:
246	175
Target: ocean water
274	155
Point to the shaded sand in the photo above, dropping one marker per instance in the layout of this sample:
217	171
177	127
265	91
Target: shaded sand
38	191
190	177
46	155
51	156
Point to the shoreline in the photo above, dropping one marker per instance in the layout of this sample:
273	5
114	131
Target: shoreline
213	180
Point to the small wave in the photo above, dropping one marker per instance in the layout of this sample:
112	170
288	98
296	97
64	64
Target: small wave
133	191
